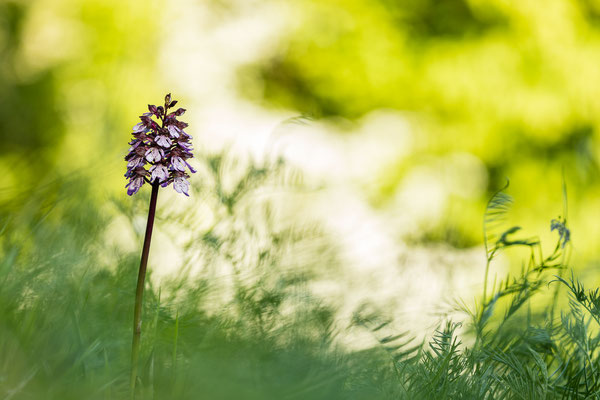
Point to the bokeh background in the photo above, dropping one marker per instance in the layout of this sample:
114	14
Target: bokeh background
398	120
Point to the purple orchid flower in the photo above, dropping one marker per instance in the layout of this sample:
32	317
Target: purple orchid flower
159	171
163	145
160	144
181	185
178	164
154	154
163	141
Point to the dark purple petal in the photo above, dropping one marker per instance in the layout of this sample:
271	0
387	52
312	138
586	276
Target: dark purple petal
146	120
185	134
141	171
141	151
185	146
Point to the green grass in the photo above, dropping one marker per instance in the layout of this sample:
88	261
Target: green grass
66	312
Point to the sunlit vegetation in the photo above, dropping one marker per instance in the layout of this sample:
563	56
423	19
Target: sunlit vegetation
256	331
458	94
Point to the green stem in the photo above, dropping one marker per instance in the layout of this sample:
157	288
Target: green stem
176	337
139	292
488	261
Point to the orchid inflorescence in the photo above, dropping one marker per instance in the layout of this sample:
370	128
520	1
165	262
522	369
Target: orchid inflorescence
165	147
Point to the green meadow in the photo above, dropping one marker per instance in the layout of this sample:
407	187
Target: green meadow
393	200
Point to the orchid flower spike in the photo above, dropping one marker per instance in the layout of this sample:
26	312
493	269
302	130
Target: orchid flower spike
159	150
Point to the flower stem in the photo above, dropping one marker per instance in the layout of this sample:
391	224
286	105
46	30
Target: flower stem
139	292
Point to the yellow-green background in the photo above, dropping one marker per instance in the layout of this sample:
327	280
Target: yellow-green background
514	83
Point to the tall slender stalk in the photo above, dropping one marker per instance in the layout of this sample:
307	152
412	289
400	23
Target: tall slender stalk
139	292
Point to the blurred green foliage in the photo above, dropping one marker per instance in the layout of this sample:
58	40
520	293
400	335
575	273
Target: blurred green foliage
513	83
65	87
29	120
257	332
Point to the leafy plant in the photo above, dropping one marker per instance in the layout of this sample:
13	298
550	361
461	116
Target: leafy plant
240	320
